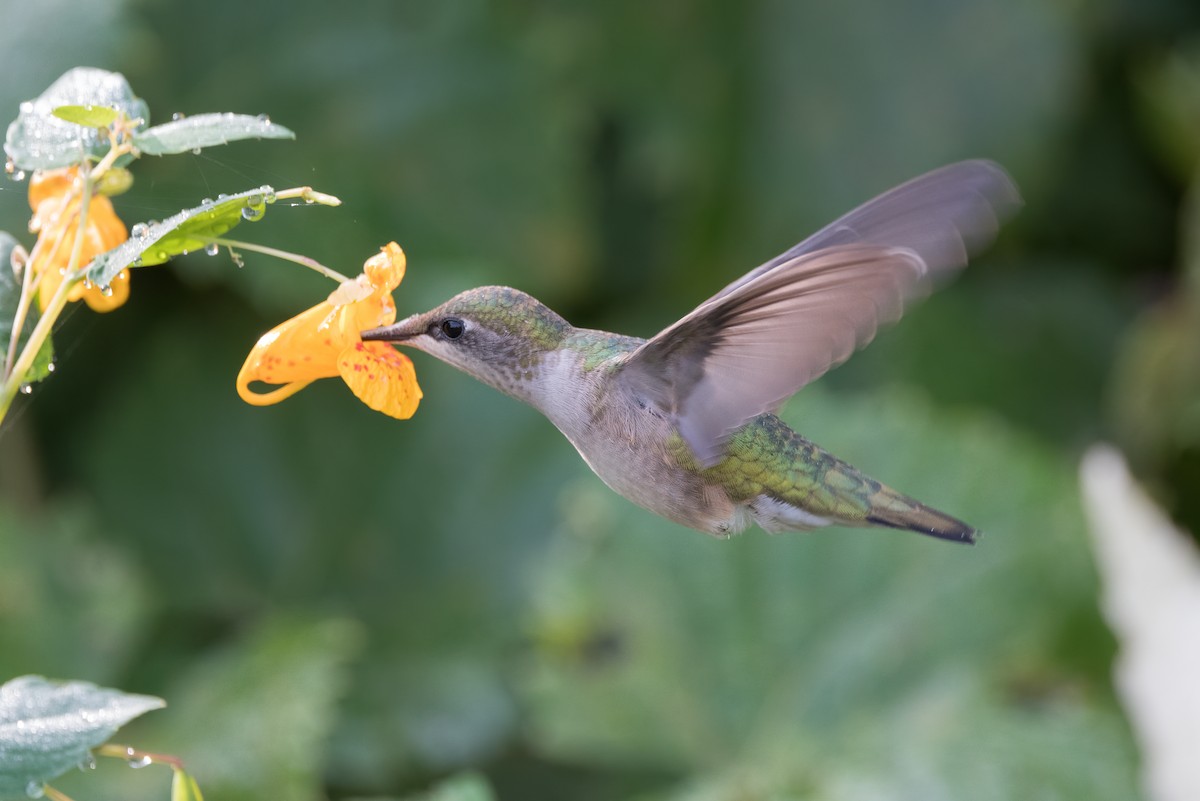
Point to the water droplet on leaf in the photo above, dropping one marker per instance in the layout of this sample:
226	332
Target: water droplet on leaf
35	789
252	213
139	231
106	291
139	762
212	248
27	389
88	762
177	116
195	151
263	118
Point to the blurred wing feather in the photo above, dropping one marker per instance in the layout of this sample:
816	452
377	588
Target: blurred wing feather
943	216
748	351
760	339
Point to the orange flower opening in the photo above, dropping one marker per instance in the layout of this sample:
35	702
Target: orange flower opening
324	342
55	197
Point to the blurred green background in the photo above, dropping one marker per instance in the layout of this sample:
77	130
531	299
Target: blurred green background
339	605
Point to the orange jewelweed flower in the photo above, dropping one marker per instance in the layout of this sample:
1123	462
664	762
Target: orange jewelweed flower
324	342
55	197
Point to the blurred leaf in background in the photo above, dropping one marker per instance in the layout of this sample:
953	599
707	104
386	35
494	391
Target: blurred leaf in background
1156	378
775	660
71	603
1151	599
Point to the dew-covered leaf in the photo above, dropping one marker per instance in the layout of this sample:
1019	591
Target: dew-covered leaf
10	296
206	130
190	229
39	140
47	728
88	116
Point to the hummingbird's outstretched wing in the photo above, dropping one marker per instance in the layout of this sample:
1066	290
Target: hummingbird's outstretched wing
943	215
760	339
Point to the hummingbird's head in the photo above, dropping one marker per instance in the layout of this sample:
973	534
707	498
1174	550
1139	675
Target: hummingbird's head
496	334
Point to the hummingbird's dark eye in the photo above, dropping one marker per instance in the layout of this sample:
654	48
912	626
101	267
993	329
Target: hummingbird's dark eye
453	327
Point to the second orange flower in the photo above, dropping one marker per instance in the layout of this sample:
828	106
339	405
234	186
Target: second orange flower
55	197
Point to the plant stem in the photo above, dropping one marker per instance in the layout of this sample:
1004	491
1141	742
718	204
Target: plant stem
305	261
30	281
135	754
308	195
115	151
19	317
55	795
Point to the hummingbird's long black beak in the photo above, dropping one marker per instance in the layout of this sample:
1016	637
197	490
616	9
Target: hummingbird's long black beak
407	328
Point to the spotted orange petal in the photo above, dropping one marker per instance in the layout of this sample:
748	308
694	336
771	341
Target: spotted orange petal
381	377
385	270
310	345
294	353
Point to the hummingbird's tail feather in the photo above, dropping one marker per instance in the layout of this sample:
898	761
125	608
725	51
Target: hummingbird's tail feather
788	483
902	512
873	505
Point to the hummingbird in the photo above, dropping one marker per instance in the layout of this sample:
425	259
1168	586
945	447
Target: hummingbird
684	424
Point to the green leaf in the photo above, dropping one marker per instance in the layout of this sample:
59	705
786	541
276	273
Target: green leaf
48	728
677	652
253	718
58	574
39	140
184	787
190	229
10	298
206	130
87	116
1062	748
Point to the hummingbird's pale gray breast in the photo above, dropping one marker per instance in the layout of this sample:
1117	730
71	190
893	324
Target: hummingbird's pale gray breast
683	424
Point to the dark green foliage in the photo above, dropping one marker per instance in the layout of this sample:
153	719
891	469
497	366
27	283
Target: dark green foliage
372	606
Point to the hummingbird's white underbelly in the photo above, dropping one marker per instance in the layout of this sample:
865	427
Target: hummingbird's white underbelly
625	445
624	442
662	488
